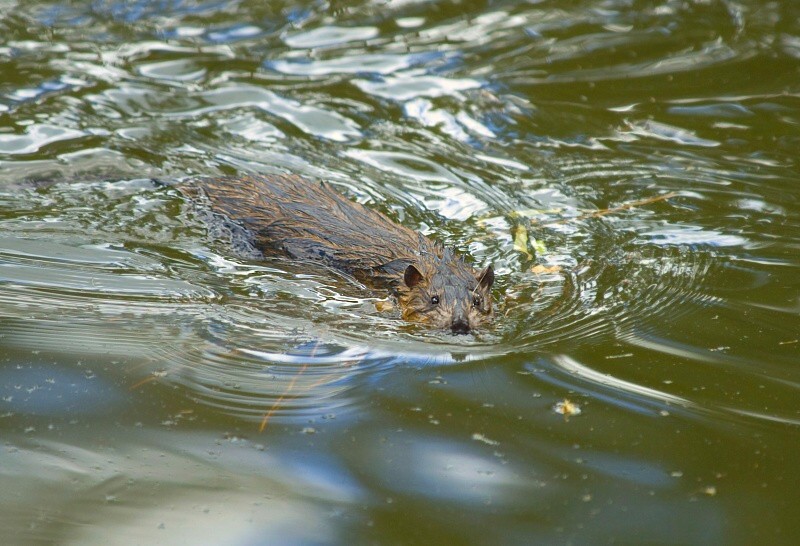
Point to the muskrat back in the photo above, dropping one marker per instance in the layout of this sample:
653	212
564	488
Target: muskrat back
306	220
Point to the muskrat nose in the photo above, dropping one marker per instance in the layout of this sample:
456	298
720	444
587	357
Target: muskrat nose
460	326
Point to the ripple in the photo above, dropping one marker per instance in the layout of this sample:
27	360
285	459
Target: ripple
663	131
616	386
326	36
407	87
91	271
354	64
310	119
406	165
36	137
234	33
261	341
180	70
629	169
598	283
258	368
63	84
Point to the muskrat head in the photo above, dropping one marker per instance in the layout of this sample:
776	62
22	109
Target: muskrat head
448	295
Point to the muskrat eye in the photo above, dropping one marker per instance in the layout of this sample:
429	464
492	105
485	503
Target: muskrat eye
434	300
476	301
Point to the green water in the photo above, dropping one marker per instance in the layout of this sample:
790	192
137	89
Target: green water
143	348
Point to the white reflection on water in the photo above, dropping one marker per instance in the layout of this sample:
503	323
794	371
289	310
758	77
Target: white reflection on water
237	492
344	64
413	85
36	137
308	118
329	36
577	369
674	234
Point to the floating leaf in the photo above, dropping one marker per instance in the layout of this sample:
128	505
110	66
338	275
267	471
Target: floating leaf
538	247
545	269
521	240
567	408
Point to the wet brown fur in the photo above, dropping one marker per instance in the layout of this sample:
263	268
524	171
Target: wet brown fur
306	220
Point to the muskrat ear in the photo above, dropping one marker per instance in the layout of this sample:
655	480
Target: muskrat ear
412	276
486	278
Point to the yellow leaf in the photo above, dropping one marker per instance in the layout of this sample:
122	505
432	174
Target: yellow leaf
543	269
521	240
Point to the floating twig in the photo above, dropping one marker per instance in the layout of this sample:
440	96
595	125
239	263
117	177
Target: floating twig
286	393
280	399
611	210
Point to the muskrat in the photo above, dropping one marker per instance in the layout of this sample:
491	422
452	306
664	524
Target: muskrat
307	220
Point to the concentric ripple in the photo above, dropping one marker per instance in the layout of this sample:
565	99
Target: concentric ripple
615	287
264	340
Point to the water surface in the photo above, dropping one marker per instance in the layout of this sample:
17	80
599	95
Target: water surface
630	170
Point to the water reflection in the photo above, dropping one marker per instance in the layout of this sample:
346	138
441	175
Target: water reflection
125	478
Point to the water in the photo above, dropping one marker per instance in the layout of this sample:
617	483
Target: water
630	169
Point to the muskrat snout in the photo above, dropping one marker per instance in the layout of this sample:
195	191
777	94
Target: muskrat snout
460	326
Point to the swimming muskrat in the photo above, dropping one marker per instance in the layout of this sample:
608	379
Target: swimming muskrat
307	220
